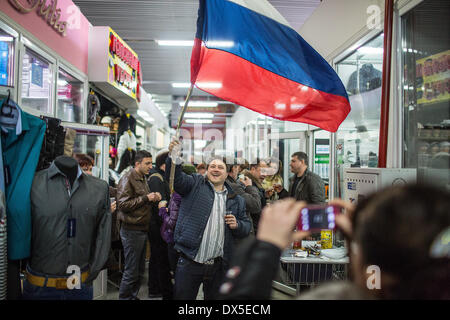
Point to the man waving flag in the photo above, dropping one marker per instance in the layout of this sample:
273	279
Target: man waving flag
253	58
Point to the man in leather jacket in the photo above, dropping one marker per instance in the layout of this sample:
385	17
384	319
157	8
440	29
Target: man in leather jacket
134	205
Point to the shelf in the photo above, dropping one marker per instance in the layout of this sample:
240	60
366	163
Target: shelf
34	98
433	138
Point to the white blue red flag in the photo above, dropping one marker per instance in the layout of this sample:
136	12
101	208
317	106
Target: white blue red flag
258	61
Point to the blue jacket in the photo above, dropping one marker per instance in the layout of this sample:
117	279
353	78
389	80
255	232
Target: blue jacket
20	149
196	205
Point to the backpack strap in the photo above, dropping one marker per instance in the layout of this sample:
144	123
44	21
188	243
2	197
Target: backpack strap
156	174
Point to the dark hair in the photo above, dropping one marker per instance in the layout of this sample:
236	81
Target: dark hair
161	159
231	165
140	155
211	159
201	166
126	160
254	165
301	156
84	159
395	229
245	165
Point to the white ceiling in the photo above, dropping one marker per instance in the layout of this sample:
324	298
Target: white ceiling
141	22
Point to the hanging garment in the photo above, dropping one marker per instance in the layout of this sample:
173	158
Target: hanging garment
22	139
71	226
3	248
53	145
127	141
127	123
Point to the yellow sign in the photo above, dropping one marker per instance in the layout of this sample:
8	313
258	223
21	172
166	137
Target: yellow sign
433	78
123	66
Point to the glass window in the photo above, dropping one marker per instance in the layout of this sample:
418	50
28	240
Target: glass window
37	82
6	59
70	98
358	136
426	91
92	145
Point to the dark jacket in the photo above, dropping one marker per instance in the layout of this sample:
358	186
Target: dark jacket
258	263
157	183
169	218
132	202
310	188
196	205
52	207
250	194
262	196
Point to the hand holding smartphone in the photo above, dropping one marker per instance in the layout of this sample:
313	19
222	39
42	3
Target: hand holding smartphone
317	217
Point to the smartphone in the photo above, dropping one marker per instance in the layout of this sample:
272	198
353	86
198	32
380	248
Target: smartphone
241	177
317	217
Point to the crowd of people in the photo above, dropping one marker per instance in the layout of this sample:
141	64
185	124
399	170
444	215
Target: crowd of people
225	225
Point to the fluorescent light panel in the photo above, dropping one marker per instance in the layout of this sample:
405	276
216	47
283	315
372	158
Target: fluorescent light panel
201	104
201	121
198	115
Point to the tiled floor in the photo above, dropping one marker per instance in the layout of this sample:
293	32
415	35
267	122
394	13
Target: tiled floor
113	291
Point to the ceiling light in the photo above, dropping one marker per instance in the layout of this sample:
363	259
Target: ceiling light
199	115
201	104
205	85
176	43
144	115
203	121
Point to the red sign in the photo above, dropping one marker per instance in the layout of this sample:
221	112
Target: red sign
118	48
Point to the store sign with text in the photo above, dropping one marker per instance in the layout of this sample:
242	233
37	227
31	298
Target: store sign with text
124	68
47	10
433	78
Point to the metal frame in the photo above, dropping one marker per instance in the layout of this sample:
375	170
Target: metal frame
24	44
402	9
365	38
13	33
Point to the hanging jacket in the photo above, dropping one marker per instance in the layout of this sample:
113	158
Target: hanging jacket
20	148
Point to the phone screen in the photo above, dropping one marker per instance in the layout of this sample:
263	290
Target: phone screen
315	218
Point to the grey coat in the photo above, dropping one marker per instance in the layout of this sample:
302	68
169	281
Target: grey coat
52	251
310	188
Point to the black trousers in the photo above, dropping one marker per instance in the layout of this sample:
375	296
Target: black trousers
159	277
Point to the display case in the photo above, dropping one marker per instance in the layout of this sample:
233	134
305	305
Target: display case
425	102
358	136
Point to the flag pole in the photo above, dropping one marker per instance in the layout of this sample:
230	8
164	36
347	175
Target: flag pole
177	135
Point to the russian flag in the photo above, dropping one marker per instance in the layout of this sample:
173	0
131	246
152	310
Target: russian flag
259	62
